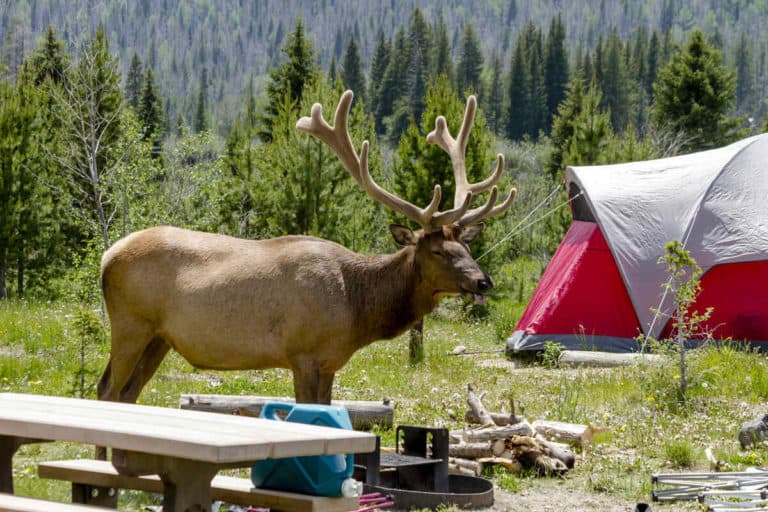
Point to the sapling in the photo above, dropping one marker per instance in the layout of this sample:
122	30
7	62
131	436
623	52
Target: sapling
684	285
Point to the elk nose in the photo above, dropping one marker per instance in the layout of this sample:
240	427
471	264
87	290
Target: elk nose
485	284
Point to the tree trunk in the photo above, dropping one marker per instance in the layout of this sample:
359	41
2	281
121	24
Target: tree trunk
20	270
416	343
3	293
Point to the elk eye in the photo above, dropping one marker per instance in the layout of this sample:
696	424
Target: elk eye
437	253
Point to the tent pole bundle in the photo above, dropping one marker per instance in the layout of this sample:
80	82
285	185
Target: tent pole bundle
745	491
604	286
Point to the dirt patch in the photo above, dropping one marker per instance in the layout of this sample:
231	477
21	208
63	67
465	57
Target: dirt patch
556	497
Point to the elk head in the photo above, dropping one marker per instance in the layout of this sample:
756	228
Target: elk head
442	257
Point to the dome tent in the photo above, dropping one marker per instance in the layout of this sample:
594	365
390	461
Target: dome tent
603	283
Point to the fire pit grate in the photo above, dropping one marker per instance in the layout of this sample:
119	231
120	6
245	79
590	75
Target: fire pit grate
417	475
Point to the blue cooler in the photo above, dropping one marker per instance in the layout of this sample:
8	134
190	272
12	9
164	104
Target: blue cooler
319	475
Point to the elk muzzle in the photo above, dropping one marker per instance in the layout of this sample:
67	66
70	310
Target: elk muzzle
480	288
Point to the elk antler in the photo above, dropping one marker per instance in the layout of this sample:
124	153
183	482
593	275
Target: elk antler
338	139
456	148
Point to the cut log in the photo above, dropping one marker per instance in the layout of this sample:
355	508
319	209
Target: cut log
471	450
453	469
477	450
510	464
577	358
455	436
470	465
363	414
533	457
493	433
557	451
498	447
571	433
477	407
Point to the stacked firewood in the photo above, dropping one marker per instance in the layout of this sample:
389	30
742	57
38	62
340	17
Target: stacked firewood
510	441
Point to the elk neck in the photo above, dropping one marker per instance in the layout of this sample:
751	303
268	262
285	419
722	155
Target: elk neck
387	294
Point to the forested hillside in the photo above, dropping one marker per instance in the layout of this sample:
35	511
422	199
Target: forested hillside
119	115
239	40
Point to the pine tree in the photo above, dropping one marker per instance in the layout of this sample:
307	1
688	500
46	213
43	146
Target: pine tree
333	74
555	66
694	94
13	51
517	93
394	85
379	63
745	76
537	100
470	62
17	115
134	83
291	77
420	37
151	113
443	60
667	15
496	97
592	132
652	67
50	61
598	61
614	84
637	72
201	106
563	126
352	71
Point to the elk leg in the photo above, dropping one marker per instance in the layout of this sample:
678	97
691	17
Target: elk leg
146	367
129	343
324	387
306	377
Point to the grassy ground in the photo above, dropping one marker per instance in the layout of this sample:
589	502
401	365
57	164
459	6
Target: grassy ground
649	430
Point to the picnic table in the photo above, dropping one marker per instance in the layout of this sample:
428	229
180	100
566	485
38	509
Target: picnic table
185	448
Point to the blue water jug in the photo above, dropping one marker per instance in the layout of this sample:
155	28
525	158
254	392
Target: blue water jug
319	475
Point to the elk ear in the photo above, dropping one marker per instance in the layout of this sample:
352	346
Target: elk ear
403	235
469	233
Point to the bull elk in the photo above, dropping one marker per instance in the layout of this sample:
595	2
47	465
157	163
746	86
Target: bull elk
293	302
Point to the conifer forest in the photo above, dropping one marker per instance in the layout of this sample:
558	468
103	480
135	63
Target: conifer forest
116	115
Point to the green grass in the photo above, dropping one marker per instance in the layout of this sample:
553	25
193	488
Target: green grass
648	429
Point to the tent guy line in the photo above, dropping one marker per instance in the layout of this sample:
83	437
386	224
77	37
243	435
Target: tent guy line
515	231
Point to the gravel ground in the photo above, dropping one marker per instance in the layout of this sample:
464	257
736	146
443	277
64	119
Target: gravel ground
557	499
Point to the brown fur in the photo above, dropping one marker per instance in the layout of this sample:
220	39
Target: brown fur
293	302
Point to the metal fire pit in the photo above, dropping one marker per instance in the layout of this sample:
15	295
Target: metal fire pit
417	475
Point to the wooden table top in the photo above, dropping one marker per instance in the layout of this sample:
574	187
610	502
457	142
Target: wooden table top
196	435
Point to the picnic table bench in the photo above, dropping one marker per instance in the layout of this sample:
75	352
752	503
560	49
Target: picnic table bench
185	449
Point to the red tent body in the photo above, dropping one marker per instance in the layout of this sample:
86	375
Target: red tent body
581	301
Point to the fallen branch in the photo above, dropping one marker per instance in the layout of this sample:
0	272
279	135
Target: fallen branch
499	418
493	433
477	407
